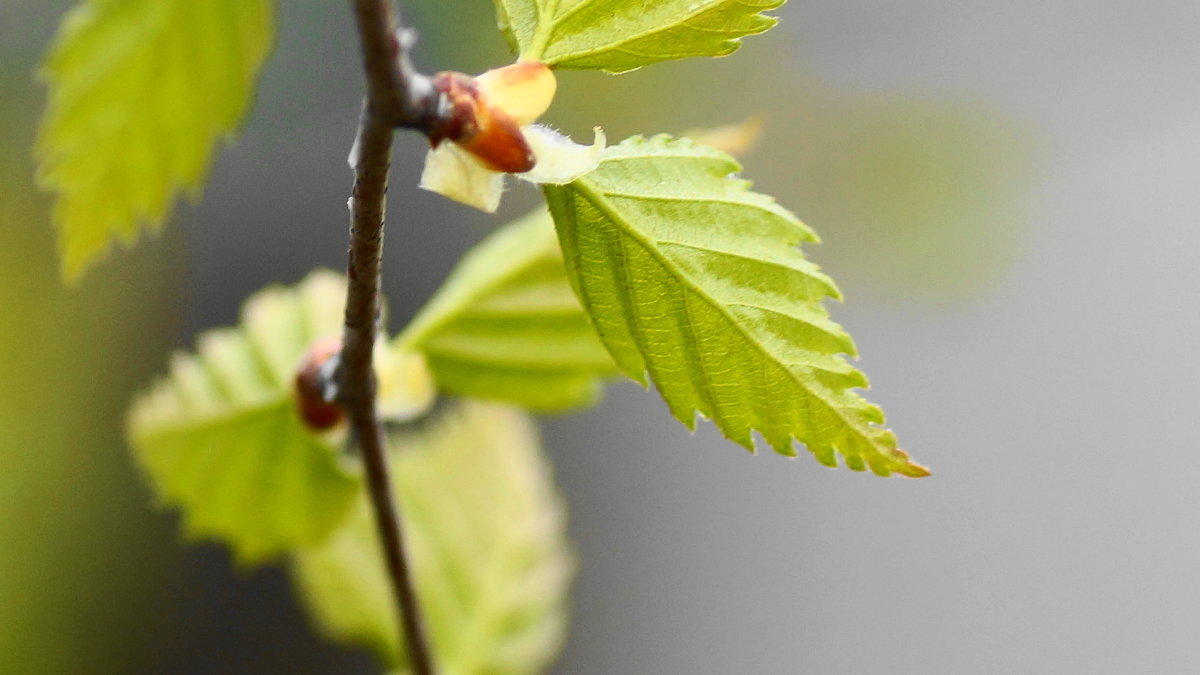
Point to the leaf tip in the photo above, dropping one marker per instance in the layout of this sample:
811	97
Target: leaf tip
918	471
76	256
825	456
856	463
785	447
909	468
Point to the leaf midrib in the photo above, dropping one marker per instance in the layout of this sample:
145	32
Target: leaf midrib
596	198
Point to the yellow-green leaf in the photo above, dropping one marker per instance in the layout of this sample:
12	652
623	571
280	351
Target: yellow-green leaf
699	282
220	436
486	531
140	92
506	325
620	35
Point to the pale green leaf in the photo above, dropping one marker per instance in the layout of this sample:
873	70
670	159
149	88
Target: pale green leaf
486	532
620	35
699	282
220	436
506	325
140	91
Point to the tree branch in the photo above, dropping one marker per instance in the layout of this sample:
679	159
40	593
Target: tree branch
396	92
397	95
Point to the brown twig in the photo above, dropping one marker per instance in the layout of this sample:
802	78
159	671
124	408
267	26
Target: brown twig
397	96
396	92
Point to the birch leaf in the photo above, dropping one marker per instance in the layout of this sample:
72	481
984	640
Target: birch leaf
506	325
140	93
486	534
697	281
620	35
220	436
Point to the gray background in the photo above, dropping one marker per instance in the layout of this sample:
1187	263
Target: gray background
1039	363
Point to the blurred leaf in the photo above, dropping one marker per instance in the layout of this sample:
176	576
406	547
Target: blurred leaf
488	548
734	139
81	563
693	278
220	436
506	325
620	35
140	92
920	198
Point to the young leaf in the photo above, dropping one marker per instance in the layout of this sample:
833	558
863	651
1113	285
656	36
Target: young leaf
506	325
221	438
620	35
693	278
139	93
488	549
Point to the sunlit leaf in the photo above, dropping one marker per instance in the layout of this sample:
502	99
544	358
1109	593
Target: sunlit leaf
697	281
220	436
140	92
506	325
620	35
486	530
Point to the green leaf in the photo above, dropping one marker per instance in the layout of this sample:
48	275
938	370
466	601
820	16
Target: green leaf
140	91
506	325
691	277
486	532
620	35
220	436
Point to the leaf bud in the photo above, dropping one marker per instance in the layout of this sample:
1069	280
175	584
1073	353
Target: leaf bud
484	114
312	389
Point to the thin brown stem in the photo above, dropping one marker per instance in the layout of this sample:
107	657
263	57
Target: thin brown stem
391	87
397	93
357	377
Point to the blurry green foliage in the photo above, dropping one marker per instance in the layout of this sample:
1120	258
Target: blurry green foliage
486	530
76	575
922	199
916	197
221	438
505	324
140	92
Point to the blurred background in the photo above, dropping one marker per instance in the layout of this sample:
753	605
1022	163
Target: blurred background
1007	193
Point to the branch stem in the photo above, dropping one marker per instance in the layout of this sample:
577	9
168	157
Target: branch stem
389	104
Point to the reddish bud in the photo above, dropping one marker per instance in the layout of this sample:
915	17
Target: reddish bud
479	127
317	413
